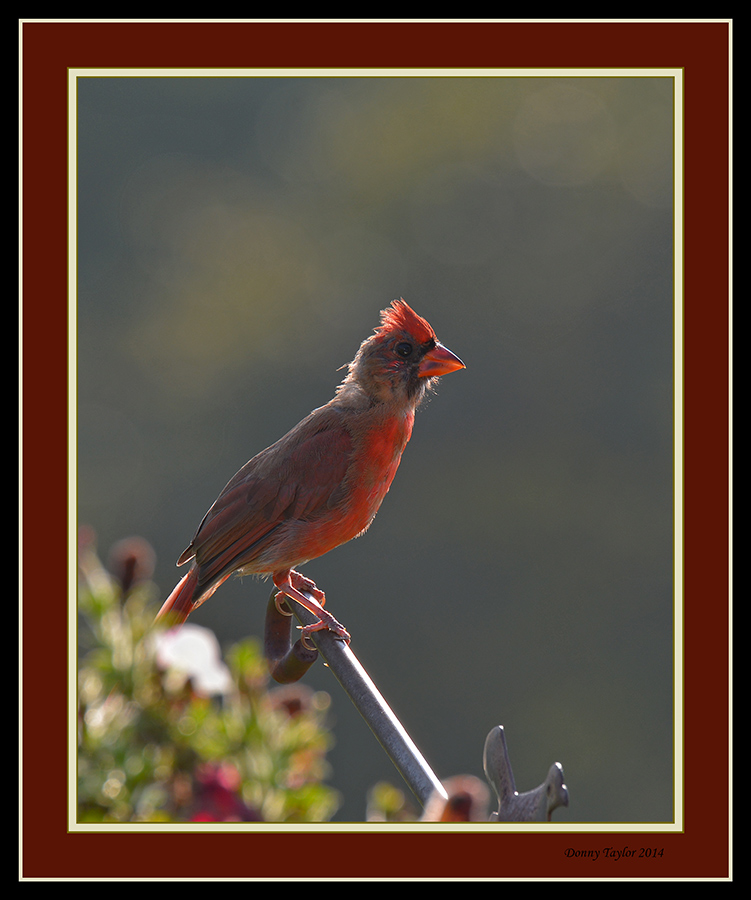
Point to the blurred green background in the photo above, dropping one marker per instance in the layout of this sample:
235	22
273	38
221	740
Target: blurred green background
237	237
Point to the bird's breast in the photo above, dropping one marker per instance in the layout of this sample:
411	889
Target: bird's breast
376	455
375	466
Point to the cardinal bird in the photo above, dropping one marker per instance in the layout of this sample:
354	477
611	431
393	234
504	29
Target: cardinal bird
323	482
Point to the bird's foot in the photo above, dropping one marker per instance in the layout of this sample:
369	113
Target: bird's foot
301	583
312	599
327	622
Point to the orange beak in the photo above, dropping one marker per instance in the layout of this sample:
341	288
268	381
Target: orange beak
439	361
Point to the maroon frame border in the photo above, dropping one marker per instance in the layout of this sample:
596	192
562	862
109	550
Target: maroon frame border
48	49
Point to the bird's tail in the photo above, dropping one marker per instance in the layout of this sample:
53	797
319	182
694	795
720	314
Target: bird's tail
182	601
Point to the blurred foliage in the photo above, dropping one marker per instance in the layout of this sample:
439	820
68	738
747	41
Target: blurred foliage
165	739
387	803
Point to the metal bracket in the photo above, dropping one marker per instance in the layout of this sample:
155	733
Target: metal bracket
287	662
532	806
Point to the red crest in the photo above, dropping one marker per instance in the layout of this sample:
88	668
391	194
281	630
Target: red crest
401	317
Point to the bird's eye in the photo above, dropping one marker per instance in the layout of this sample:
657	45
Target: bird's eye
404	349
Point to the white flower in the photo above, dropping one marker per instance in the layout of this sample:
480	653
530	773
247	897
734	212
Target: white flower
194	652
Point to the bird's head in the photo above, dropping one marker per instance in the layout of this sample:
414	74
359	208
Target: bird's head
401	359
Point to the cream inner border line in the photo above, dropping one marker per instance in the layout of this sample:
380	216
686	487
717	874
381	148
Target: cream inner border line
328	72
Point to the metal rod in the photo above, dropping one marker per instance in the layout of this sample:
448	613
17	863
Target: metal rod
373	708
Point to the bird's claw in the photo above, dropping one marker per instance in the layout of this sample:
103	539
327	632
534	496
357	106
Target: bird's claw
280	601
330	624
306	642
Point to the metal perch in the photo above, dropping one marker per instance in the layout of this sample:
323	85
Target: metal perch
285	662
288	662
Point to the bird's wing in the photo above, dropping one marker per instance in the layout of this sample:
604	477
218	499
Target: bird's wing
298	477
